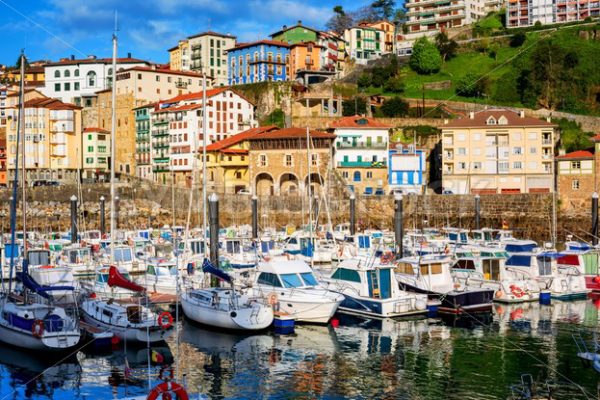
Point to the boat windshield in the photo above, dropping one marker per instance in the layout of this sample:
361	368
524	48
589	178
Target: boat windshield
38	257
93	235
291	280
123	255
166	270
309	279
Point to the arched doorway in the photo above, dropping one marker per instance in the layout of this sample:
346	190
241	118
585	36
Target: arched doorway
316	182
288	184
264	185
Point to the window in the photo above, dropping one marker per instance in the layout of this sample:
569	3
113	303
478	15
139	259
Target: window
517	151
532	150
462	165
262	160
89	160
57	74
90	149
76	73
345	174
67	73
356	177
67	87
575	184
462	151
91	79
477	165
575	164
517	165
369	174
57	87
266	278
314	159
532	135
288	160
345	274
291	280
157	78
76	86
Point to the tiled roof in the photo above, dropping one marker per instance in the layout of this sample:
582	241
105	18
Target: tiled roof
234	151
94	129
298	25
292	133
51	104
258	43
480	120
185	107
596	138
127	60
240	137
576	155
163	71
357	121
196	95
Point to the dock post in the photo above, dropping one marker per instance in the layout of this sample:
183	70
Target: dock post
102	215
73	219
213	218
352	214
254	217
594	218
398	225
477	211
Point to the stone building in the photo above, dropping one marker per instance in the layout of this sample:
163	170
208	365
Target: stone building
281	163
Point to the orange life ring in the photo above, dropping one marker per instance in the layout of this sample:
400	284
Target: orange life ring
37	328
517	291
272	298
165	320
167	387
387	257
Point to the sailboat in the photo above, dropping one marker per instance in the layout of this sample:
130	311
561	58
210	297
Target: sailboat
32	321
225	307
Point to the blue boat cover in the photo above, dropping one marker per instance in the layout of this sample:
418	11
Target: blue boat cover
32	285
520	248
519	261
211	269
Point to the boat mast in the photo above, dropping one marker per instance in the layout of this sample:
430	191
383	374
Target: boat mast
310	228
22	133
204	197
113	132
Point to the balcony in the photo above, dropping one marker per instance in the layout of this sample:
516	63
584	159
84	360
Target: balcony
547	142
360	145
58	138
181	85
362	164
160	133
161	121
160	168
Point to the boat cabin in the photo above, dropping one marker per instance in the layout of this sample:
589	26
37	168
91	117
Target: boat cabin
161	268
372	281
291	274
77	255
427	272
38	257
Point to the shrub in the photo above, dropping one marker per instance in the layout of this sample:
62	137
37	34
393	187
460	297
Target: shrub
426	58
518	39
395	107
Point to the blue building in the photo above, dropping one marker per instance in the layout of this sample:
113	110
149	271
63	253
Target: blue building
265	60
406	168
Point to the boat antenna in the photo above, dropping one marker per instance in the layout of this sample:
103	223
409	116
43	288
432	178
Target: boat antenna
13	204
113	133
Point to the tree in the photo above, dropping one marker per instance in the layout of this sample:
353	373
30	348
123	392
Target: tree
364	80
379	76
400	15
425	58
18	63
340	21
384	8
446	46
395	107
365	14
518	39
394	85
354	106
473	86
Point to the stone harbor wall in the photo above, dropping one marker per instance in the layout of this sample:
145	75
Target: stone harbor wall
140	206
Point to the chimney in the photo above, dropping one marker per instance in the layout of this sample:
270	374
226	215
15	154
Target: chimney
445	121
561	152
91	57
522	113
284	27
128	55
548	119
299	22
72	57
471	115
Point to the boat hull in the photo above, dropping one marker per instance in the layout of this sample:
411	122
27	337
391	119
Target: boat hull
49	342
456	302
246	318
388	308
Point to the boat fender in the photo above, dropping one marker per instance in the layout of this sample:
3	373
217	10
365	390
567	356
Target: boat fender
499	294
37	328
272	298
597	279
46	266
340	251
165	320
165	388
517	291
387	257
420	305
233	314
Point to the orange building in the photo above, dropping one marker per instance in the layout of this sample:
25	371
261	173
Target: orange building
305	56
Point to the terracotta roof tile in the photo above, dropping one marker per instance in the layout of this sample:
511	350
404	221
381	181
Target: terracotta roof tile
212	33
357	121
596	138
163	71
51	104
258	43
240	137
576	154
95	129
127	60
480	120
292	133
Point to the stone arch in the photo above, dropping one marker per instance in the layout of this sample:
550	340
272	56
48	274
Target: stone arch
264	184
316	182
289	184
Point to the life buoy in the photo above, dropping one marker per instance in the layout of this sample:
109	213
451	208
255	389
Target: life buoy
37	328
272	298
165	388
165	320
387	257
517	291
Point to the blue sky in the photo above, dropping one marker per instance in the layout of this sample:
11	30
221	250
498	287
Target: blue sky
51	29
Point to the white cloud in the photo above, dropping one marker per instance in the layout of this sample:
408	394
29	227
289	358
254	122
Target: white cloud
290	9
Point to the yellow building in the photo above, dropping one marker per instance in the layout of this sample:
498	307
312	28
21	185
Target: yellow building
179	56
227	161
52	140
498	151
34	76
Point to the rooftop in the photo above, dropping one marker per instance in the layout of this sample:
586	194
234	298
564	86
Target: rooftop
96	130
483	119
292	133
126	60
240	46
212	33
51	104
240	137
576	155
162	71
358	121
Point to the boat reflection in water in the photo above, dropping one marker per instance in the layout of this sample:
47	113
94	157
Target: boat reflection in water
27	375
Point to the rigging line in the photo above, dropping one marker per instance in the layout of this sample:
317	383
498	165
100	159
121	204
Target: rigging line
520	52
43	28
583	390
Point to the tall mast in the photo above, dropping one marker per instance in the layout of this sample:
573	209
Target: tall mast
22	133
310	200
113	134
204	197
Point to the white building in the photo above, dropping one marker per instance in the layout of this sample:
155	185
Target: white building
77	81
364	43
208	54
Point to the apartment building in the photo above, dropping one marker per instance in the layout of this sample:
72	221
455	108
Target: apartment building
522	13
143	148
208	54
407	167
264	60
52	140
361	153
364	43
95	155
179	56
498	151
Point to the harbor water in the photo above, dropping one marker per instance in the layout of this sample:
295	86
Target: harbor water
472	357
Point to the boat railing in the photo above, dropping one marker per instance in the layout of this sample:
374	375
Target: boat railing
571	270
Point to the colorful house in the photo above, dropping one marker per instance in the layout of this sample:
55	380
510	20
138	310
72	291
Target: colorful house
264	60
96	155
406	168
227	161
143	160
296	34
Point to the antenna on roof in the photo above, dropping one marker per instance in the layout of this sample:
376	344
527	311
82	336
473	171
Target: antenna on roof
116	23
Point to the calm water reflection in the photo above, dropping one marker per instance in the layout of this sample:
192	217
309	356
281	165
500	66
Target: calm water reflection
469	358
